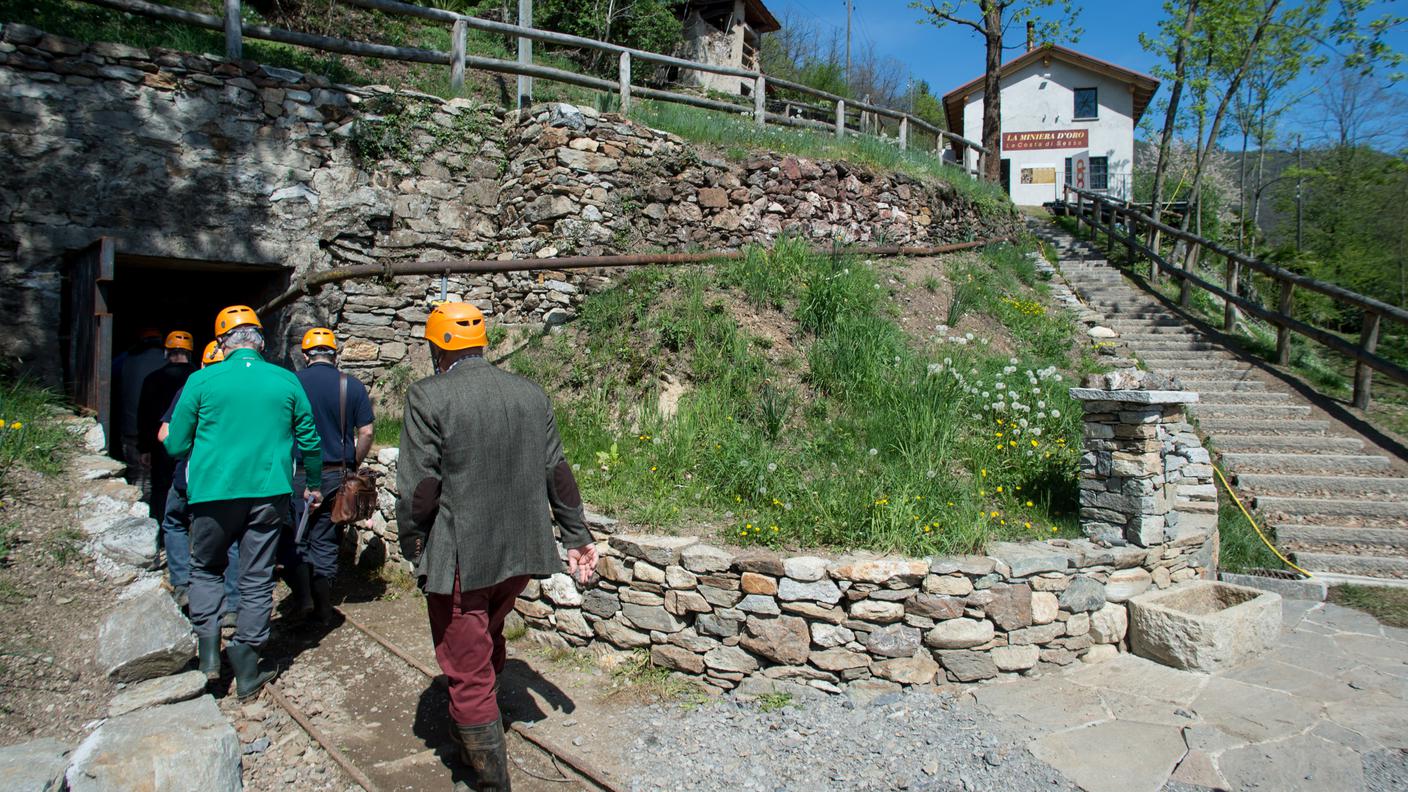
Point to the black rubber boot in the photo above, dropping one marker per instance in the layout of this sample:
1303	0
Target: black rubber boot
483	748
322	600
249	680
301	591
209	653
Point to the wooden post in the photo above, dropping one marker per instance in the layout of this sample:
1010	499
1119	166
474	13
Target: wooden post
1363	375
1080	211
1229	308
1283	333
625	82
234	31
840	118
760	103
904	132
525	54
1129	237
457	37
1110	232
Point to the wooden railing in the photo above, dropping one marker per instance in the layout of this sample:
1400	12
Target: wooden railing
458	59
1124	224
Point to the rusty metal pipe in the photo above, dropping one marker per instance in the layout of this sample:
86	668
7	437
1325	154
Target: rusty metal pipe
308	284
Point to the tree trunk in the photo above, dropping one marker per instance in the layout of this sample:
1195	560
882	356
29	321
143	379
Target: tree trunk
992	93
1171	116
1242	194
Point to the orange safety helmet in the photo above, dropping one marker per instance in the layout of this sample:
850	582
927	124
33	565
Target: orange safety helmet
212	355
180	339
235	316
319	337
456	325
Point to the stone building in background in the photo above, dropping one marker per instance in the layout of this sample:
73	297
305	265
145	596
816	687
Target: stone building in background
724	33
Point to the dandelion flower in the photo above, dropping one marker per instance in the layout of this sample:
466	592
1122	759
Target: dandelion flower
1026	525
999	488
16	425
772	467
872	452
992	514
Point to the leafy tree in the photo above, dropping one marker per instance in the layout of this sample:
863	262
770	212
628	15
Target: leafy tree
992	20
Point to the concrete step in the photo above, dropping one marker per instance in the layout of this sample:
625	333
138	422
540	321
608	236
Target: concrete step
1198	381
1368	566
1232	442
1251	410
1222	428
1210	396
1181	355
1218	365
1304	508
1339	486
1244	462
1312	536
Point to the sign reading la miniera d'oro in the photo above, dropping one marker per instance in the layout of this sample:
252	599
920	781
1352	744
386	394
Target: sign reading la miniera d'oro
1049	139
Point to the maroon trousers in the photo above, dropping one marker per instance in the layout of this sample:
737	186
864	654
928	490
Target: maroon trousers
468	630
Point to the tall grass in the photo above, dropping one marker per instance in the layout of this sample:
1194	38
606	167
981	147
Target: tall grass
30	433
861	438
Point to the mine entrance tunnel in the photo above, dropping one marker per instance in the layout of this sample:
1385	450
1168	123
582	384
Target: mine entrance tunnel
110	296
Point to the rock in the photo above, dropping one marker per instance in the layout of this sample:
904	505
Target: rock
805	569
601	603
759	604
145	637
684	602
1015	658
712	198
876	611
547	207
155	692
160	749
949	585
763	562
880	571
614	569
917	670
1109	624
651	617
730	659
968	666
572	622
1078	624
1011	606
1085	594
790	590
1045	606
784	639
130	541
974	565
705	559
1099	332
619	635
588	161
1203	625
34	766
566	115
1027	559
561	590
91	467
1126	583
839	660
932	606
1039	634
676	658
658	550
753	583
648	573
1099	653
829	636
959	634
896	640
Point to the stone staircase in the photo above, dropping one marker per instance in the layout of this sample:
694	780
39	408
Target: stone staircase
1338	503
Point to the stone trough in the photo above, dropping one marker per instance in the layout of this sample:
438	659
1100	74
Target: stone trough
1203	625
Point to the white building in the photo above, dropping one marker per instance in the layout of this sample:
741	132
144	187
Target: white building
1066	118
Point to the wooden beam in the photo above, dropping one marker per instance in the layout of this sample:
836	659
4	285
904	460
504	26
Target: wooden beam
624	80
1363	375
525	54
234	46
457	45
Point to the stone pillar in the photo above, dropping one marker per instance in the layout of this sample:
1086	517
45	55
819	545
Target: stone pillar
1139	482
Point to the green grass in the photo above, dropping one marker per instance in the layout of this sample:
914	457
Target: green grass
859	437
30	433
772	702
386	430
1388	604
64	545
1240	549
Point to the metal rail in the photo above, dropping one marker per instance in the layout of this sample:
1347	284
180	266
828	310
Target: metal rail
1105	214
309	283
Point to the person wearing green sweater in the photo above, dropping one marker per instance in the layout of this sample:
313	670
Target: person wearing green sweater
239	423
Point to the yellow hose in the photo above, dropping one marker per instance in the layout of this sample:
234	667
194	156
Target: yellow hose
1256	527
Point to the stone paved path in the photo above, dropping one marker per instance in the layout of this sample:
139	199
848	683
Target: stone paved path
1326	709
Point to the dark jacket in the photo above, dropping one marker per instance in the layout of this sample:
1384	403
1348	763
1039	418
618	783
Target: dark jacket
481	476
158	391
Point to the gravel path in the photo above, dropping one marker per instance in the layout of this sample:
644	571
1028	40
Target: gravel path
918	740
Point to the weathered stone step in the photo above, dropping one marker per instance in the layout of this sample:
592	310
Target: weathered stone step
1331	507
1156	333
1222	427
1181	355
1304	463
1321	535
1209	384
1204	364
1257	443
1292	483
1369	566
1177	346
1214	396
1252	410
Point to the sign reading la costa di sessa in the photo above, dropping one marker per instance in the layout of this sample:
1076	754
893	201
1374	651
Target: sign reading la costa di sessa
1047	139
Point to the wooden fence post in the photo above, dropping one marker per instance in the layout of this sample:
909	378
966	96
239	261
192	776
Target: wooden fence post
840	118
1080	211
1363	375
760	101
457	43
234	31
525	54
1110	232
1229	308
1283	333
904	132
1129	236
625	82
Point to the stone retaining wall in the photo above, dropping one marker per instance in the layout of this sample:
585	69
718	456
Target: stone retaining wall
194	158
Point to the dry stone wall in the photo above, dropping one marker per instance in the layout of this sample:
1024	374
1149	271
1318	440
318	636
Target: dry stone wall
194	158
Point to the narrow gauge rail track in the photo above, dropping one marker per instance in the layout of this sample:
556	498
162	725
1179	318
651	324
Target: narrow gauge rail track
555	754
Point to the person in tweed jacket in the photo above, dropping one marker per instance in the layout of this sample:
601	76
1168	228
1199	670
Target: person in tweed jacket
481	477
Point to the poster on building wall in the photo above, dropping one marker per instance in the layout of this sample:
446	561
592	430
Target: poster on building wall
1047	139
1080	170
1038	175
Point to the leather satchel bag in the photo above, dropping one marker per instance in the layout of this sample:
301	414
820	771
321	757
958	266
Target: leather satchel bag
356	497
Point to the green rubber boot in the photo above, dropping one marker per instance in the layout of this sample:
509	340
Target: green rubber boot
300	584
209	653
483	748
249	680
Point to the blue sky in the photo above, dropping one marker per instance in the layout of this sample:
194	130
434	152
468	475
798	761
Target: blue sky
949	57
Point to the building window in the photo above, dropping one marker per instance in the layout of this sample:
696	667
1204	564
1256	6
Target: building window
1070	177
1087	104
1099	173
